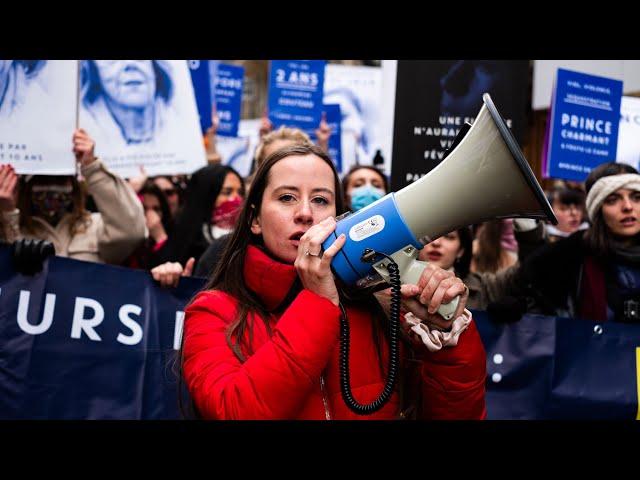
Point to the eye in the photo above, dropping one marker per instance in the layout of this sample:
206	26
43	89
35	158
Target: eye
320	201
611	199
635	196
286	198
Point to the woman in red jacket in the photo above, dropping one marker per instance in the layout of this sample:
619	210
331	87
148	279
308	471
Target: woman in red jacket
262	340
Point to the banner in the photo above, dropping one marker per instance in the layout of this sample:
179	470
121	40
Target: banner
38	103
357	90
561	368
142	113
90	341
228	97
629	132
585	115
434	99
295	93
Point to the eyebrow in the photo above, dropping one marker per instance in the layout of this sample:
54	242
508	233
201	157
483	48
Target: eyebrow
315	190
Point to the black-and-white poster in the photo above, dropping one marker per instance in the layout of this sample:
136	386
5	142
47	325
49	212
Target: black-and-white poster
433	100
142	113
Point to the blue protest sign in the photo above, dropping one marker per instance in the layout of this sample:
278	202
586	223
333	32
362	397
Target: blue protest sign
585	118
228	96
296	92
201	79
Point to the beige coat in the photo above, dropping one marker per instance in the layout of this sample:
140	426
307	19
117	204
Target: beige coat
486	288
109	236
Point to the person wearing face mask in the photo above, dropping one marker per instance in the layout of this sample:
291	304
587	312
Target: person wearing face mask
363	185
52	208
214	196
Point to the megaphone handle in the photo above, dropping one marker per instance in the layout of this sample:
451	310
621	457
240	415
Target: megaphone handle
411	274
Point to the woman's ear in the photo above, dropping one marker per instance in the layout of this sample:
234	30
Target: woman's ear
256	229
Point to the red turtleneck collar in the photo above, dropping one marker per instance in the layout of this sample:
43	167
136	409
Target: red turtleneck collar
270	279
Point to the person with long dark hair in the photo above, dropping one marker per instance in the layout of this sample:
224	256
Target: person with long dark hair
594	274
214	196
261	340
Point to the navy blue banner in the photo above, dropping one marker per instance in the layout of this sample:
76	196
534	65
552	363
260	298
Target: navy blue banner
88	341
228	96
585	117
295	93
561	368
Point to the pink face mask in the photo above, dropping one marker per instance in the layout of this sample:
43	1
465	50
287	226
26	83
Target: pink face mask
226	214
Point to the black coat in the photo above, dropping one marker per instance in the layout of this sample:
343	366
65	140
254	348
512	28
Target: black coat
551	276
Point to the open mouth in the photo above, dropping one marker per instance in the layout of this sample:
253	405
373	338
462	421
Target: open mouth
628	221
295	238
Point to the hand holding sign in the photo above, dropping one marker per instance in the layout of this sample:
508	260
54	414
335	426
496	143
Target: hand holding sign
83	147
8	181
323	132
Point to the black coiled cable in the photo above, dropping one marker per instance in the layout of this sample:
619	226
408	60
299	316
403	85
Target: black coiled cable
394	352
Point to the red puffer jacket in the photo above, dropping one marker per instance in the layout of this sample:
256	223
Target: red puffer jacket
294	373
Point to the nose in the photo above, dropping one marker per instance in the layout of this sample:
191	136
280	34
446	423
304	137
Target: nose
304	214
626	204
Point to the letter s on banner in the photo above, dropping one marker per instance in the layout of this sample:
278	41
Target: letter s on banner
127	321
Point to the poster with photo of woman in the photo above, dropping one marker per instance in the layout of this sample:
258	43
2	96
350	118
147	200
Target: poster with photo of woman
141	113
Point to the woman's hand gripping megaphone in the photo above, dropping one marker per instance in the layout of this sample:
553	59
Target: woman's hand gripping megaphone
435	288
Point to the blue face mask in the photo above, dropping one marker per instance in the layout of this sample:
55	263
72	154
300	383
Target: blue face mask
365	195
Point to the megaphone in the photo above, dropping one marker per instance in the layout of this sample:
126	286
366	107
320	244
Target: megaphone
483	177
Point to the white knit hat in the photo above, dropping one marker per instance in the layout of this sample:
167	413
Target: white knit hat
605	186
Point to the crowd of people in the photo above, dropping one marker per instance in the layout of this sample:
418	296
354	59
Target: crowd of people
260	339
